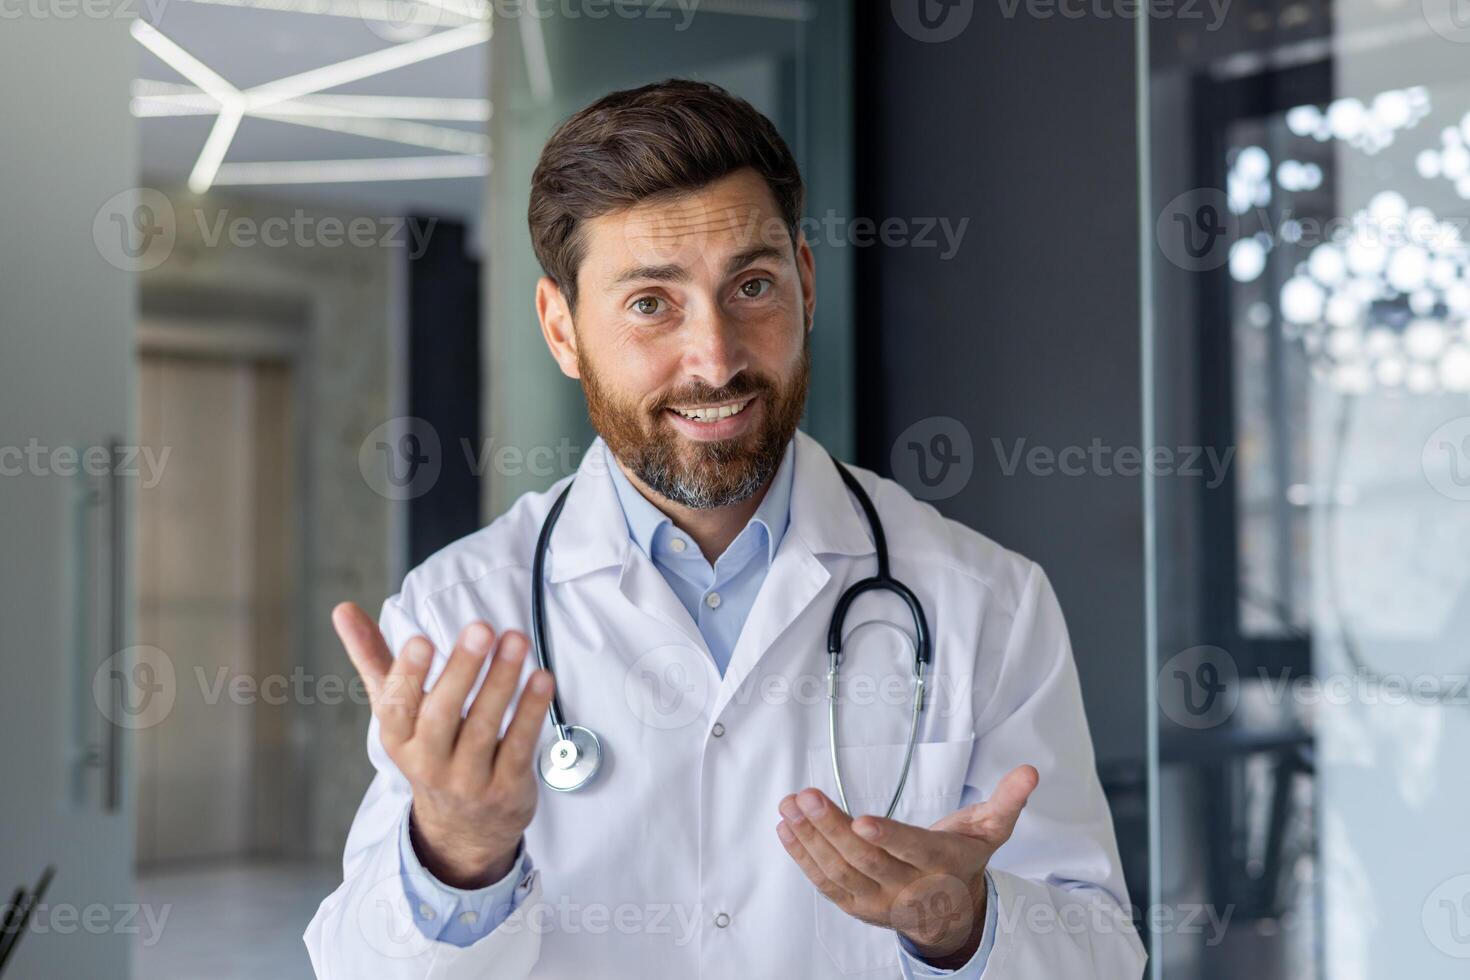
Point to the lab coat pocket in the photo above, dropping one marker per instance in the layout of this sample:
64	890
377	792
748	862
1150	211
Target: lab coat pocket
869	774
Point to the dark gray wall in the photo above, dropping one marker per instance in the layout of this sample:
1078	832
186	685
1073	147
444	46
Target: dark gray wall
1026	127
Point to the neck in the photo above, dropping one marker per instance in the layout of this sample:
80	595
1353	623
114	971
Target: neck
712	528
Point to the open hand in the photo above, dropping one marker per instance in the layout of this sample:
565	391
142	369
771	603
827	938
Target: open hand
473	790
928	884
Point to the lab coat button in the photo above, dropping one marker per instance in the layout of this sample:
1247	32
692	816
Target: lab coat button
717	730
722	920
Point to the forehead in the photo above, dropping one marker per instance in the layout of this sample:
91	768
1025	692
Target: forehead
686	230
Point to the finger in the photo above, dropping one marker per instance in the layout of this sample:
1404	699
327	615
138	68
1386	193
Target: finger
403	690
513	756
364	643
837	827
440	713
994	820
828	858
480	733
808	866
914	846
394	702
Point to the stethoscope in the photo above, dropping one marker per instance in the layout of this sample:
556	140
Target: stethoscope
573	754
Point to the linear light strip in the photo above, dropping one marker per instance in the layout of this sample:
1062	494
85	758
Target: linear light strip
184	63
234	103
392	130
173	98
352	171
160	106
215	148
367	65
538	63
382	11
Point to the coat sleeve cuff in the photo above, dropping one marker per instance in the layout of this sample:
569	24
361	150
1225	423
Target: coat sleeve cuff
458	916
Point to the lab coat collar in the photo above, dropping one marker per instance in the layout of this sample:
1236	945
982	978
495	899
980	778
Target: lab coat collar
593	533
824	514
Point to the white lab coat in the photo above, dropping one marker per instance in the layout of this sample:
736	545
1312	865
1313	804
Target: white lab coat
668	864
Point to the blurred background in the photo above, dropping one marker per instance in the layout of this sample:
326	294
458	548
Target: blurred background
1172	297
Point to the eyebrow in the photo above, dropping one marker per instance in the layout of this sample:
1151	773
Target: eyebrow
677	273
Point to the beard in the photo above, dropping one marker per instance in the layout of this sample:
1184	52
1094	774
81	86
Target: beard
700	475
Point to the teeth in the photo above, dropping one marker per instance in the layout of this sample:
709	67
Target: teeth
713	414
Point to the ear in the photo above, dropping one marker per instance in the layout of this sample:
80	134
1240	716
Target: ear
556	325
806	266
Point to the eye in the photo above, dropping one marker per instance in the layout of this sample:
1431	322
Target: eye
755	288
647	305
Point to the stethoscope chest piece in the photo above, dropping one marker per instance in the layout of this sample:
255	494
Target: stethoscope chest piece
570	759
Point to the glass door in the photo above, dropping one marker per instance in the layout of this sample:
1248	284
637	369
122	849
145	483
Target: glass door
1307	280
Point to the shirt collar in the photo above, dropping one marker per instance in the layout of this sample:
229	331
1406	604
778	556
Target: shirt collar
773	514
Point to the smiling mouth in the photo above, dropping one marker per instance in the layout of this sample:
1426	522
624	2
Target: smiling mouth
712	413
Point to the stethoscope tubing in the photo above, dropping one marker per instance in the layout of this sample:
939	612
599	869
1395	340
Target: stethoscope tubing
882	581
538	607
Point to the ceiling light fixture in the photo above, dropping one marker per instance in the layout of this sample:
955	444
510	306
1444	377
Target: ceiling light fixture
234	104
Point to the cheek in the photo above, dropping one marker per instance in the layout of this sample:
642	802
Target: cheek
778	347
641	370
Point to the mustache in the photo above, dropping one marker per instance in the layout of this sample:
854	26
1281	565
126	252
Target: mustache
737	387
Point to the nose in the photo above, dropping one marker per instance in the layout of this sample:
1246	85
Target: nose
714	349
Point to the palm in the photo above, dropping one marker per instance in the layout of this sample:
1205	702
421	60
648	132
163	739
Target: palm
928	884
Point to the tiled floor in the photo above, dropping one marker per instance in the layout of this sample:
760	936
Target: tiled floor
232	922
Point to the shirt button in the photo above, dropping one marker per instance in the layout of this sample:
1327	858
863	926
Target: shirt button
722	920
468	918
718	730
712	600
426	912
678	544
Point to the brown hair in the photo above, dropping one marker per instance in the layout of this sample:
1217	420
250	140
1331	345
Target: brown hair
629	146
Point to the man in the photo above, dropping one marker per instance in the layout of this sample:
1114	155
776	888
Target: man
689	583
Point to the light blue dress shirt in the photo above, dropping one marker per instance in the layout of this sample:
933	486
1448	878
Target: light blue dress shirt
718	598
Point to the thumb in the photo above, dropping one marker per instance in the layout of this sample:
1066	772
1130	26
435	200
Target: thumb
994	819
